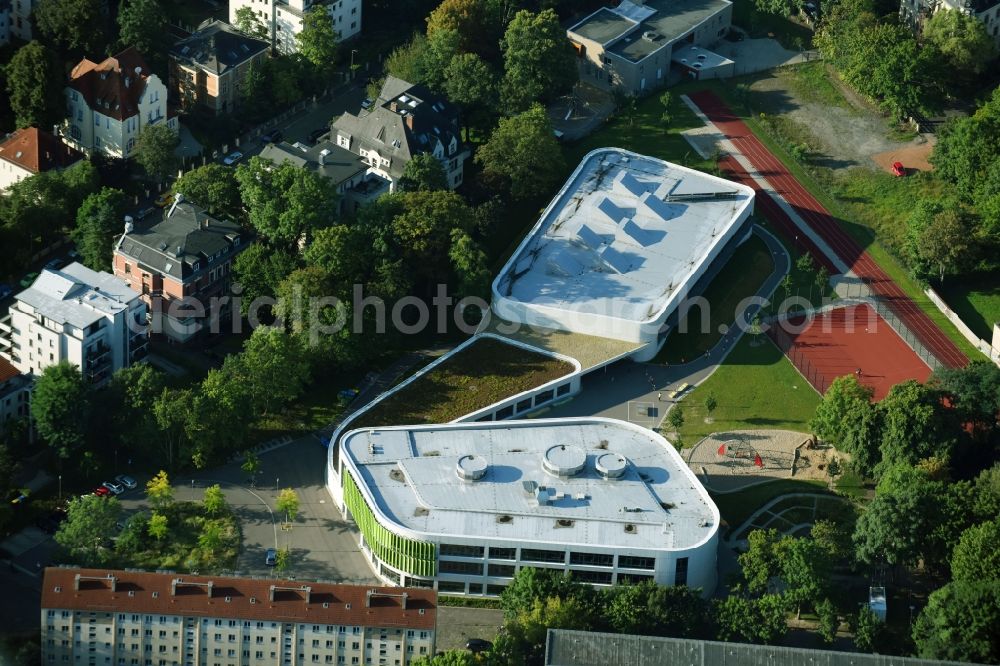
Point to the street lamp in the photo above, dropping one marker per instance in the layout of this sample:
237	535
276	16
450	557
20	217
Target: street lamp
60	487
276	479
353	51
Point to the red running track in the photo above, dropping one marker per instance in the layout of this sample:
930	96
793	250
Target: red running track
823	224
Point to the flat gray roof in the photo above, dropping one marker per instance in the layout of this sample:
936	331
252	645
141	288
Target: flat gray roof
77	295
410	473
673	19
602	26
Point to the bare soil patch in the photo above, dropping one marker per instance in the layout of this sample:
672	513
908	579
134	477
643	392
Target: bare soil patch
913	157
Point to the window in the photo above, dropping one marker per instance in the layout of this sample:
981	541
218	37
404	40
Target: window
681	571
630	562
501	570
536	555
469	568
592	559
562	389
599	577
455	550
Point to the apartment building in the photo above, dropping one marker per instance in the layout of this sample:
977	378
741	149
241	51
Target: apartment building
90	319
20	18
181	267
5	21
284	18
207	68
31	151
14	393
914	12
92	617
109	103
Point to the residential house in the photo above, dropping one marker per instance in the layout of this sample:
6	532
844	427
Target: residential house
133	617
914	12
5	21
284	18
181	266
15	390
31	151
631	47
405	121
109	103
90	319
337	164
206	69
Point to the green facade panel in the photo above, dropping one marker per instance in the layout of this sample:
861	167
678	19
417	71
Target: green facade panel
416	558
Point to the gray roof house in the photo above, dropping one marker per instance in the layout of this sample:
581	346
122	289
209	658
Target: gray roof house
346	169
405	121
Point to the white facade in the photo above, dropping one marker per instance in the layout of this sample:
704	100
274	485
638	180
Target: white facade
90	319
90	130
464	506
283	18
20	18
5	21
11	173
620	246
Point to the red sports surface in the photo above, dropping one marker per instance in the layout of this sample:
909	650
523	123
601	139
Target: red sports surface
822	223
844	340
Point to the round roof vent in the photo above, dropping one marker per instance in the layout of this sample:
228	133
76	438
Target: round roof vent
471	468
564	460
611	465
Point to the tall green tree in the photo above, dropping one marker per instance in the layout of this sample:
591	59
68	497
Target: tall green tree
539	62
90	523
275	368
976	555
847	419
173	410
470	265
78	26
940	239
214	500
914	424
61	407
962	40
214	187
470	20
867	630
99	222
407	61
34	83
658	610
472	84
961	622
158	526
259	270
753	620
423	173
159	492
288	504
154	151
530	585
317	42
343	252
250	24
522	154
966	147
523	640
143	24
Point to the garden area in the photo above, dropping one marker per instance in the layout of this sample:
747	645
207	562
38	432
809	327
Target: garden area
480	375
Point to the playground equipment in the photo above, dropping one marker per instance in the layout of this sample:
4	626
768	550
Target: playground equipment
741	455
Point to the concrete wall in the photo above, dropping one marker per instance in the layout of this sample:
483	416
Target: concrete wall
991	351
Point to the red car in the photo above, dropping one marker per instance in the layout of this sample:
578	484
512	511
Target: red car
898	169
102	491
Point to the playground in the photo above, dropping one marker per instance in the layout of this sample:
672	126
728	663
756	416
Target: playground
736	459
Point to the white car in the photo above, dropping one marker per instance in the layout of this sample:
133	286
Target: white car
232	158
114	487
126	481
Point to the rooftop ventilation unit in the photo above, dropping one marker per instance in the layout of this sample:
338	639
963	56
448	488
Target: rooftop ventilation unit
471	467
611	466
651	36
564	460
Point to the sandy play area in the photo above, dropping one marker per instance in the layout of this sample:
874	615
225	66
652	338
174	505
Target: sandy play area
913	157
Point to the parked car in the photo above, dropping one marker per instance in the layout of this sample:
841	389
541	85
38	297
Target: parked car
164	200
367	102
478	645
5	291
271	557
53	264
273	136
28	279
315	135
125	480
115	488
144	213
232	158
101	491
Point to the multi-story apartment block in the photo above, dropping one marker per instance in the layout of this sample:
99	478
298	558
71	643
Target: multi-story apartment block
92	617
109	103
90	319
206	68
20	18
405	121
31	151
5	21
914	12
181	266
14	393
284	18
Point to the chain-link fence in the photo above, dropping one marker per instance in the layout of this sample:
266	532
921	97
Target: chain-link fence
786	344
911	338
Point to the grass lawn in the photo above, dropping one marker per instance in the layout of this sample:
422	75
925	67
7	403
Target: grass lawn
791	34
737	507
741	277
483	373
179	550
850	484
315	409
811	81
976	299
756	388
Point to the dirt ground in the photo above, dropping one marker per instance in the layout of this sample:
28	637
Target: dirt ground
847	135
914	158
736	469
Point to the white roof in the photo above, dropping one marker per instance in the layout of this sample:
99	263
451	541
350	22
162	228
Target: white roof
77	296
410	475
621	239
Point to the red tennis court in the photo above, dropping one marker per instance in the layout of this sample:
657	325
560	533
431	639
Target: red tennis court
842	341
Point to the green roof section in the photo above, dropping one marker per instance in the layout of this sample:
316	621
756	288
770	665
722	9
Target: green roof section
602	26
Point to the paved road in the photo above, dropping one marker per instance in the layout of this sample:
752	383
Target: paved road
618	391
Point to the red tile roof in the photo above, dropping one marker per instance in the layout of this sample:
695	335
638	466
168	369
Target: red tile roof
112	87
37	150
238	598
7	371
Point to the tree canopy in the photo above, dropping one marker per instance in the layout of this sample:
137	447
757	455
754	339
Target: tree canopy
425	173
60	406
34	83
99	221
79	26
977	553
247	22
847	419
522	154
317	42
539	62
214	187
154	150
961	622
961	39
143	24
90	523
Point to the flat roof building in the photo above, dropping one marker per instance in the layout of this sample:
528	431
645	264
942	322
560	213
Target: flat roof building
463	506
166	619
620	245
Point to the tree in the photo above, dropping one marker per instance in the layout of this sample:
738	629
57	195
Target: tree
99	221
215	500
133	537
288	504
539	62
782	8
423	173
34	84
962	40
523	640
666	117
406	61
522	154
472	84
258	271
317	42
986	493
154	151
961	622
530	585
847	419
469	20
213	187
90	522
60	406
913	424
833	538
867	629
711	403
940	239
131	394
966	147
470	265
142	24
343	252
159	492
676	418
210	539
276	371
828	621
251	465
158	526
282	559
976	556
760	620
75	25
973	392
172	411
249	23
657	610
448	658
